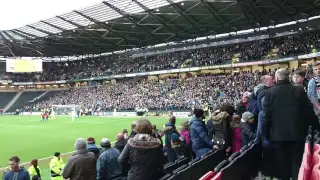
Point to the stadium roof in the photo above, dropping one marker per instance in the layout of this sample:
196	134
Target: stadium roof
115	25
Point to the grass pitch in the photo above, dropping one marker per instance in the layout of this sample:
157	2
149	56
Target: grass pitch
28	138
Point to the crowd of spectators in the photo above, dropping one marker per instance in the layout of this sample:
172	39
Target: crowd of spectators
184	93
119	64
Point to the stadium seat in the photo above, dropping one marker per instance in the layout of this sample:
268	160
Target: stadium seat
182	161
165	177
184	174
315	174
217	176
244	148
179	169
220	166
208	176
170	167
233	156
197	169
213	159
315	158
193	161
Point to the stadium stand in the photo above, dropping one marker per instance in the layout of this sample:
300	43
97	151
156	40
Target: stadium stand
192	91
5	98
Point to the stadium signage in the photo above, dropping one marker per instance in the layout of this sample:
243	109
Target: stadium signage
271	61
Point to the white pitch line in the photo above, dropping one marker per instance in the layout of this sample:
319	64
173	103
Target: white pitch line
41	159
14	125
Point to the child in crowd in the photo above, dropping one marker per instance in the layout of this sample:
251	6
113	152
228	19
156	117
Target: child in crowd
178	145
236	133
248	129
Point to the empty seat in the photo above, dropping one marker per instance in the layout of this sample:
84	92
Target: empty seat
165	177
208	176
220	166
315	174
184	174
233	156
217	176
244	148
182	161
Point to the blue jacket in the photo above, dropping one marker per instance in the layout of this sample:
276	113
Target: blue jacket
199	135
21	175
108	167
265	142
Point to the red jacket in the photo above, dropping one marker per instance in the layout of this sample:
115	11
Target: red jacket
236	139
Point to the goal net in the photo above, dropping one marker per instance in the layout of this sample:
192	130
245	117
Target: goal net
67	110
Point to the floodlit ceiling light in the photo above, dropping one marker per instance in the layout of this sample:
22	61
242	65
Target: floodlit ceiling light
182	4
157	10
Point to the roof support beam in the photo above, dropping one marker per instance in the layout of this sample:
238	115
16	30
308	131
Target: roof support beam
131	19
8	44
282	10
246	14
61	29
212	12
80	27
182	13
158	19
103	26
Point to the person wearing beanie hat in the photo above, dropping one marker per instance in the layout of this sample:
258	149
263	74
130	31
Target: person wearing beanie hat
82	164
92	147
248	132
108	166
56	165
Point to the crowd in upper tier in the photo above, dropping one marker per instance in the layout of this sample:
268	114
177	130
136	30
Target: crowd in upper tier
255	50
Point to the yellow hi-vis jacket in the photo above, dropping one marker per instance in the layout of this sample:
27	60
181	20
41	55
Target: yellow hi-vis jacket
32	171
56	167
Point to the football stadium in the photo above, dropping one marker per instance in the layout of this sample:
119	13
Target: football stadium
160	90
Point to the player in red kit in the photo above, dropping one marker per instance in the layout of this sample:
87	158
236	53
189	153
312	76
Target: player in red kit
42	116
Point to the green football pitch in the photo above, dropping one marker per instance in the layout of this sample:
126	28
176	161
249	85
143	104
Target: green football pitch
28	138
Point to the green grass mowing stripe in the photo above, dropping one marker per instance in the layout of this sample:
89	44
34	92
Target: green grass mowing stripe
29	138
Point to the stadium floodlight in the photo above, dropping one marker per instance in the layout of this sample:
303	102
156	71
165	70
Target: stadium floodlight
67	110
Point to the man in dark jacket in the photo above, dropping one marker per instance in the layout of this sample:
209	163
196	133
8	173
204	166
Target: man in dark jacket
82	164
287	115
92	147
168	130
108	167
121	142
248	130
201	142
133	131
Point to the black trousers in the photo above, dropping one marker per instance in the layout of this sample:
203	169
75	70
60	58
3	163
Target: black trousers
288	159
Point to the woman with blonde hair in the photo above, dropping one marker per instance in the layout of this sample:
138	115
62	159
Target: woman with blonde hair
34	169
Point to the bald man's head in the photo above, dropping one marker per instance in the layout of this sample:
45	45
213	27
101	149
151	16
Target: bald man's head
267	80
120	136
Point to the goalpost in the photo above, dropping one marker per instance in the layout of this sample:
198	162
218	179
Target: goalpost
68	110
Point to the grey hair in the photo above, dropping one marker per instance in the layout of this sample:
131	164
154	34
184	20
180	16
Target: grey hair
282	74
80	144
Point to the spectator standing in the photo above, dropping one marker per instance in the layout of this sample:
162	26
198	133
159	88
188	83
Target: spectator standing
82	164
242	106
236	133
121	142
133	129
16	172
143	154
222	129
287	116
201	142
92	147
260	90
168	130
314	89
56	165
299	78
34	169
248	129
108	167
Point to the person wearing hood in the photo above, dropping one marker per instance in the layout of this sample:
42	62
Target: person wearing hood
314	89
143	154
202	143
222	128
82	164
248	132
168	130
16	172
92	147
